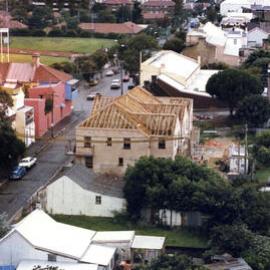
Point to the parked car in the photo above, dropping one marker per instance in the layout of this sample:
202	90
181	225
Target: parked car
126	78
91	96
28	162
116	70
109	73
131	86
17	173
93	82
115	84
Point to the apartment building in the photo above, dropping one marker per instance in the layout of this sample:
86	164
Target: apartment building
122	129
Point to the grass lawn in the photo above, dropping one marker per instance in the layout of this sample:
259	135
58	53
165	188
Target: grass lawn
177	238
80	45
47	60
263	174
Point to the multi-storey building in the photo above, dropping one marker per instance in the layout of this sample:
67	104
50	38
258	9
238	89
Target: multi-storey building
122	129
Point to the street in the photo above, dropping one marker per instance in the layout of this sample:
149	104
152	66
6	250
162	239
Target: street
51	154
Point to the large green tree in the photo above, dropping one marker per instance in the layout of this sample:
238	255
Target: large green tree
174	44
261	148
254	110
173	262
11	147
231	86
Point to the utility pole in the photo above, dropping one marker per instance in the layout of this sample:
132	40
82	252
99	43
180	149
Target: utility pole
246	146
121	77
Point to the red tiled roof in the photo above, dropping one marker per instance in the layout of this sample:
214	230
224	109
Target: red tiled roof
159	3
27	72
6	21
117	2
153	16
106	28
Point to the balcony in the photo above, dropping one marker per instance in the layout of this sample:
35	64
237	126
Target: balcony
84	151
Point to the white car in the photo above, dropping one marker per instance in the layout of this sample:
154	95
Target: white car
116	84
109	73
91	96
28	162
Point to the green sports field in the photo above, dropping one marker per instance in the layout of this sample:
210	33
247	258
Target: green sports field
47	60
78	45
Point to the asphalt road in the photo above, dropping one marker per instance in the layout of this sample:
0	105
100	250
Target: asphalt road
15	194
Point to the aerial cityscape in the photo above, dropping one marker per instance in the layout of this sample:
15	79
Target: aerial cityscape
135	135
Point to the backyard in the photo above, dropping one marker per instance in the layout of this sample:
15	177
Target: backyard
77	45
176	238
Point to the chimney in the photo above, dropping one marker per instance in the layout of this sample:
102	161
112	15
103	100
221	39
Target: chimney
36	59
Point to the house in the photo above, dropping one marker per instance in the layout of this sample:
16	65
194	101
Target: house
39	240
45	86
236	19
150	17
228	6
256	37
168	73
238	160
227	262
115	28
22	116
258	33
114	5
158	6
216	45
79	191
130	126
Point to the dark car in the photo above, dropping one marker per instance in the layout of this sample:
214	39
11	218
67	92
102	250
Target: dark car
131	86
17	173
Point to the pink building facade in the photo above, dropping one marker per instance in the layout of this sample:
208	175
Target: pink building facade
61	107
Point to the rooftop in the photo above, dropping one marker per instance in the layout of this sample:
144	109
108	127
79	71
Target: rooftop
119	28
158	3
148	242
113	236
137	110
88	180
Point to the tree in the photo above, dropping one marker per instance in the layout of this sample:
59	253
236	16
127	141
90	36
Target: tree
231	86
130	49
178	16
174	44
123	14
100	58
106	16
137	12
211	14
159	183
254	110
261	148
175	262
6	102
41	18
86	67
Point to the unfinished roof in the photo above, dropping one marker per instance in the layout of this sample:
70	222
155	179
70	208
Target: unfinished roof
137	110
148	242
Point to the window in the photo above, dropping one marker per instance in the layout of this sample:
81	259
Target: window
87	142
161	144
127	144
120	162
89	162
51	258
98	199
109	141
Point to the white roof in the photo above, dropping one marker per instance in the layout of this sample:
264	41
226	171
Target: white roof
172	62
31	264
46	234
247	2
214	35
148	242
196	87
114	236
100	255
